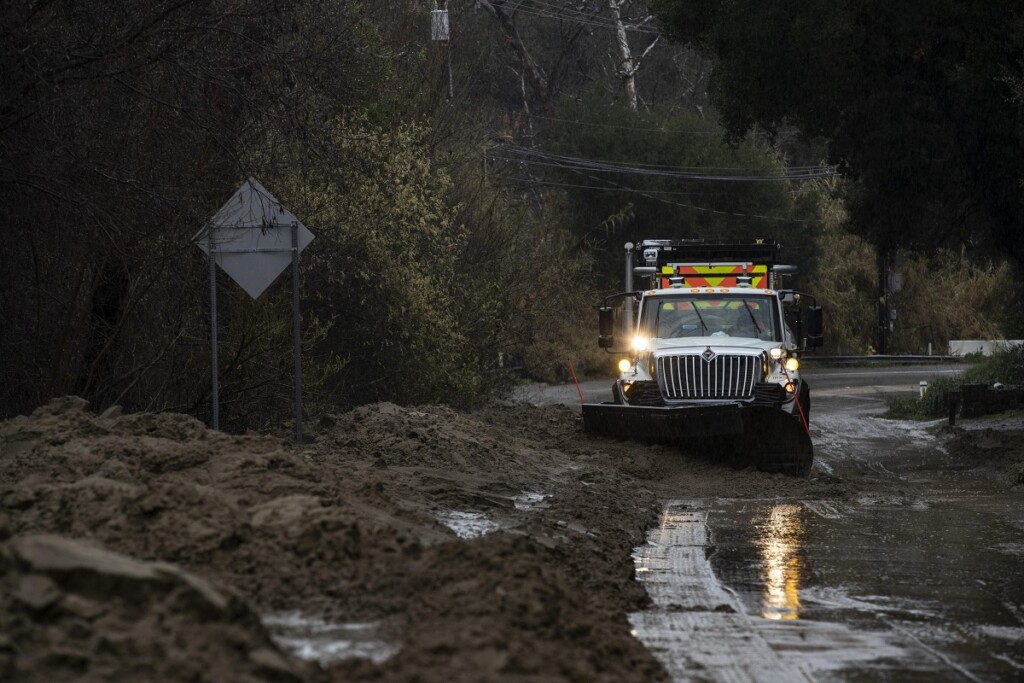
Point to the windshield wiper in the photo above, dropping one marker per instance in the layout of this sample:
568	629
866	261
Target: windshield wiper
753	320
700	318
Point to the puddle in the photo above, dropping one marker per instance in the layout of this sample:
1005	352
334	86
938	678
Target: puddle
702	628
933	580
841	436
528	499
313	639
468	524
1011	548
841	597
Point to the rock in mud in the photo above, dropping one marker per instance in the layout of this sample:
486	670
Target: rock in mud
73	611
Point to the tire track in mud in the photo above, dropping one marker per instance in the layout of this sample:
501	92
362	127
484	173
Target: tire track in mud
698	629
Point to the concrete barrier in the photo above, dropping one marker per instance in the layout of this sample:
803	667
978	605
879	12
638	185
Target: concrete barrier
986	347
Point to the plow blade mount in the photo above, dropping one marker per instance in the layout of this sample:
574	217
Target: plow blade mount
767	438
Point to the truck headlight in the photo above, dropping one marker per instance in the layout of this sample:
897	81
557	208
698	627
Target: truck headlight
777	353
640	343
624	365
792	364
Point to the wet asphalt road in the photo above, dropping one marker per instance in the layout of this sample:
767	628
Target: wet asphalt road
915	578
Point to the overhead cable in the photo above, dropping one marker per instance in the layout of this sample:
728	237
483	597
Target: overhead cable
617	187
530	157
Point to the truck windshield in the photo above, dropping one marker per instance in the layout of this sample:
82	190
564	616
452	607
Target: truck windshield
703	315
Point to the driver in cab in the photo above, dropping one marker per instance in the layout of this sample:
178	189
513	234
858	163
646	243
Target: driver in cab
748	322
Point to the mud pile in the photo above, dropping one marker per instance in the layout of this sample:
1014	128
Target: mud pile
991	449
69	611
381	520
490	545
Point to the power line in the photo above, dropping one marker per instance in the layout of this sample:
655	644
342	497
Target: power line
526	151
552	183
704	209
617	187
611	126
524	155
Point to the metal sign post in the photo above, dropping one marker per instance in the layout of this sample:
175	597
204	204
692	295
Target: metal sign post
297	332
215	397
246	238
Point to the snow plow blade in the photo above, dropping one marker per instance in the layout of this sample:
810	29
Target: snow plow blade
766	438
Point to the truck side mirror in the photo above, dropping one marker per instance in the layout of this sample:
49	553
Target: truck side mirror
814	326
606	327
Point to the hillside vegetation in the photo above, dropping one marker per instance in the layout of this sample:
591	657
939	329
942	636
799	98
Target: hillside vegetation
469	197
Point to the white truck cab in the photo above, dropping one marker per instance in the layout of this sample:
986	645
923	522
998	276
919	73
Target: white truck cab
713	348
711	344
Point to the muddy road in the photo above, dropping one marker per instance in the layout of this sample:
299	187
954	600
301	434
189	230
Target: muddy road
910	571
503	544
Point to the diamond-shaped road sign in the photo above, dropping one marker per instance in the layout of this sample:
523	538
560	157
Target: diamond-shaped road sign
252	237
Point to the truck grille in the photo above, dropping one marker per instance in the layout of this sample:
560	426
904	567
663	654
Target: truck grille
723	377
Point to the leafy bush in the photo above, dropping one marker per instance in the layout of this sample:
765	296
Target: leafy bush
932	405
1005	366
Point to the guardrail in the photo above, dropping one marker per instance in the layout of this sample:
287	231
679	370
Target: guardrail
880	359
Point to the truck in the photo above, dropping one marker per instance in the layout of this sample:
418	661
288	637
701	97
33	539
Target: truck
711	348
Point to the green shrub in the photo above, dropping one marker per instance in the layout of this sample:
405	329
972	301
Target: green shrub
932	405
1005	366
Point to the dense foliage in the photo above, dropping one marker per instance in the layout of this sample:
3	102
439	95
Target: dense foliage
915	98
1005	367
670	175
470	197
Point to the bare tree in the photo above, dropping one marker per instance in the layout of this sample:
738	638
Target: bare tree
582	18
628	64
542	82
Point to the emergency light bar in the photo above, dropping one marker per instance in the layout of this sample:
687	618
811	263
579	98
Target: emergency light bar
662	252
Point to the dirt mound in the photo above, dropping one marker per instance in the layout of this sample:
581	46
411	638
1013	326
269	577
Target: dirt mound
485	545
381	520
163	487
69	611
991	449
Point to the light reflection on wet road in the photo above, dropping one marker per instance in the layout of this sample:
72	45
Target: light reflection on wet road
779	537
916	579
942	578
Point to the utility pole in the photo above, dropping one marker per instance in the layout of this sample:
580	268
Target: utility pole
627	308
883	300
440	32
